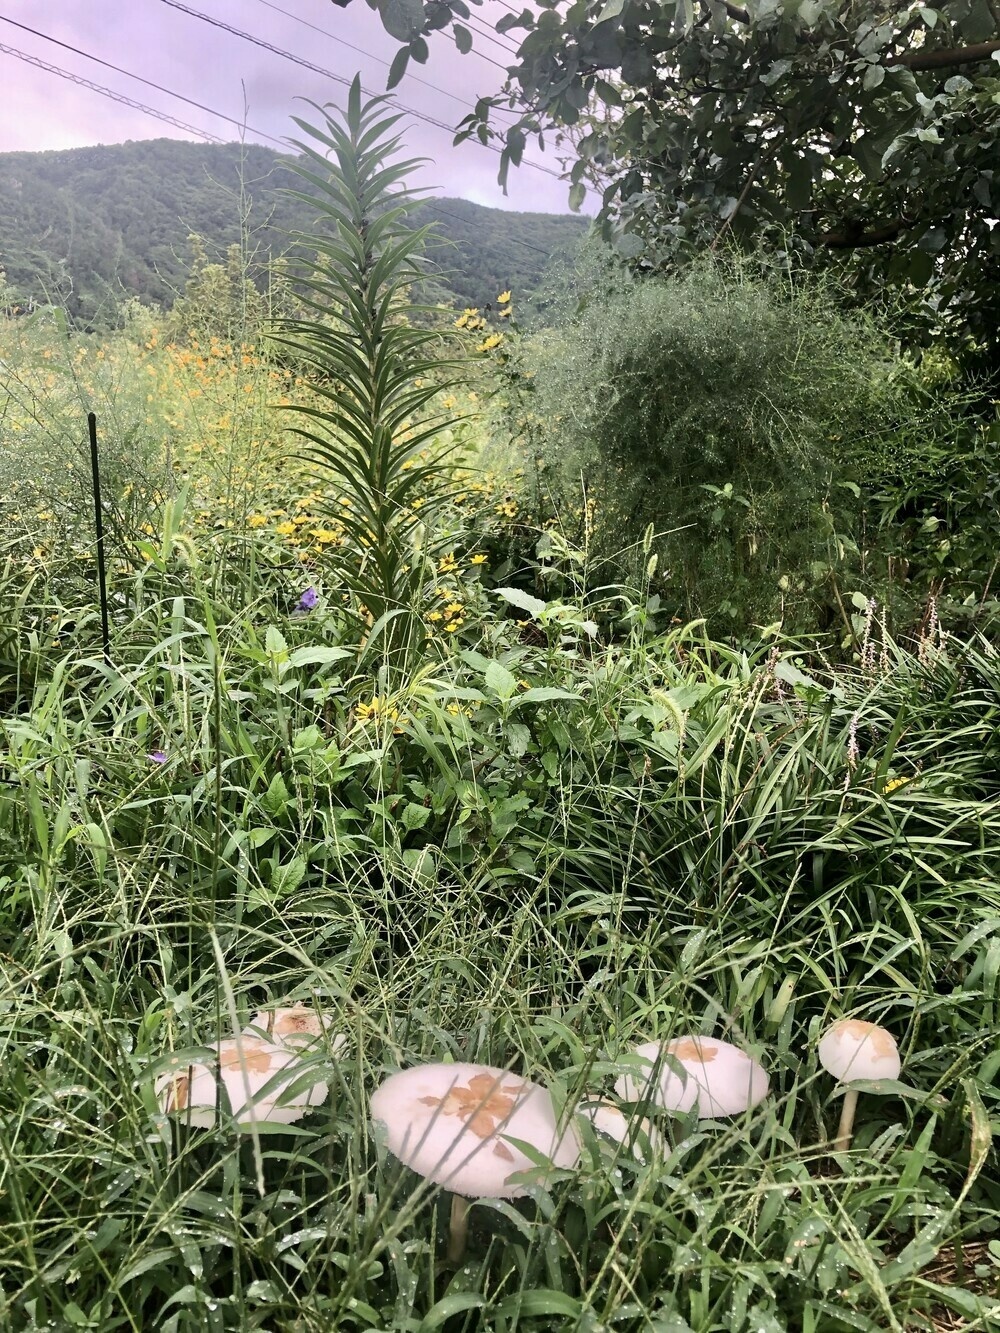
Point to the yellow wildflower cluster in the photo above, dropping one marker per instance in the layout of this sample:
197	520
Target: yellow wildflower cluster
470	319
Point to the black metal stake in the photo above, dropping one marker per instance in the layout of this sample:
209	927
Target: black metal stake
102	582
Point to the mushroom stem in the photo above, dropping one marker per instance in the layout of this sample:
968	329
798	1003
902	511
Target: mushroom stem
459	1228
843	1140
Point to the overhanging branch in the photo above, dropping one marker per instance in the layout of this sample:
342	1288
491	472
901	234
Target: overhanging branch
855	237
946	57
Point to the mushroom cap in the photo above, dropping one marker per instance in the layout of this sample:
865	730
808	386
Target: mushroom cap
294	1026
452	1124
718	1078
246	1066
607	1117
852	1048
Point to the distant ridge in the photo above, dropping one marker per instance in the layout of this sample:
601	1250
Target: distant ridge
87	227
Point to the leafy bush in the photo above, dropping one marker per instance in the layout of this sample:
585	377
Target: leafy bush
719	405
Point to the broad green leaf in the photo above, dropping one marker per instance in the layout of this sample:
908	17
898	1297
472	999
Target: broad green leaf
500	681
402	19
523	601
611	10
542	694
415	816
318	656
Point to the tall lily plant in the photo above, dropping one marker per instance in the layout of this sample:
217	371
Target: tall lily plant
372	431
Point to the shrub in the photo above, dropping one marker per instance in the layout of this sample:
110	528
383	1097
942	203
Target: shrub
720	405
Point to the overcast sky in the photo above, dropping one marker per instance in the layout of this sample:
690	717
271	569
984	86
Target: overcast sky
256	87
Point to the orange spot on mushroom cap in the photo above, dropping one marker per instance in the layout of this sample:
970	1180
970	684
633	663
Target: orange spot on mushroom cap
482	1104
254	1056
883	1043
692	1048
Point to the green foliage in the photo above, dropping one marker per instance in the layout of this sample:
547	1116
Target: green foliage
529	855
860	131
375	373
723	406
219	300
933	511
86	227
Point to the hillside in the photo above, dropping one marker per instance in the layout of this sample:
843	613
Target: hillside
86	227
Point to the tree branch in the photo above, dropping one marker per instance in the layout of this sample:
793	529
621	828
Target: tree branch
945	57
854	236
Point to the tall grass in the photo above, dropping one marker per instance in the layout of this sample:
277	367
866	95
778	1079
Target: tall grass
655	836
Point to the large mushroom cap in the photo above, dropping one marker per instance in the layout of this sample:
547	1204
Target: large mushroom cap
713	1076
453	1124
852	1049
248	1069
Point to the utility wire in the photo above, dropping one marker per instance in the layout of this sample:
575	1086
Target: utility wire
109	92
484	30
337	78
193	129
378	59
283	144
138	78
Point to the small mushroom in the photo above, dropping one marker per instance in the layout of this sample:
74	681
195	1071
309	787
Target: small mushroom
296	1026
853	1049
607	1117
245	1067
453	1124
714	1076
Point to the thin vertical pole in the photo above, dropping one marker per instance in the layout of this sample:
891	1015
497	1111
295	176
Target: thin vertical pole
102	582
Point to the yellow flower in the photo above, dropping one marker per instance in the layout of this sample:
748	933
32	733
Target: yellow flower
488	344
503	298
893	784
257	520
454	625
285	529
378	708
434	615
478	560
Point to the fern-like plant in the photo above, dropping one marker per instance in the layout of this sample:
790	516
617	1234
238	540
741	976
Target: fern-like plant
374	373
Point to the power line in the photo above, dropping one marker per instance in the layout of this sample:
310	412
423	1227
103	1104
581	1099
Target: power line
109	92
138	78
484	30
182	125
337	78
341	41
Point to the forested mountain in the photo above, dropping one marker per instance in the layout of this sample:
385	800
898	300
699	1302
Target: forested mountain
86	227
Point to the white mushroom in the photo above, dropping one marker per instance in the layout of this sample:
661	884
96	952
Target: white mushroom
295	1026
713	1076
608	1118
255	1076
853	1049
454	1124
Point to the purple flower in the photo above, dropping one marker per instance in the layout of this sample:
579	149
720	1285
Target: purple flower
308	600
157	756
